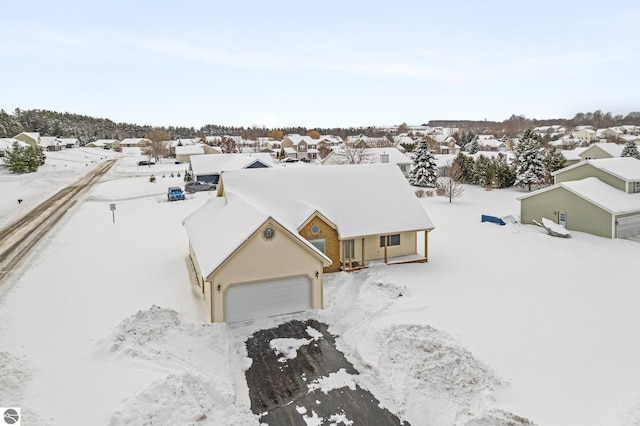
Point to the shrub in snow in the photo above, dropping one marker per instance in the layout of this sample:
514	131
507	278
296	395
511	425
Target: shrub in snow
152	178
420	193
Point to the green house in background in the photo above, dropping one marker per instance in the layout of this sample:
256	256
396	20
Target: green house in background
600	197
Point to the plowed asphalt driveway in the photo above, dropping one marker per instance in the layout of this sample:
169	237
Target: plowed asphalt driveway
293	387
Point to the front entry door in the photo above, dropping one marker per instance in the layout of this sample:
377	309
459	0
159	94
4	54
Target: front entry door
562	219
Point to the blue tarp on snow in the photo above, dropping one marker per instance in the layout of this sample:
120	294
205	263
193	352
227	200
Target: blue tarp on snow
492	219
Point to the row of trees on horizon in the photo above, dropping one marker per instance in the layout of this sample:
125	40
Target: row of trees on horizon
87	129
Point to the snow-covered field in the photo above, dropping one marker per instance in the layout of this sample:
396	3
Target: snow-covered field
102	325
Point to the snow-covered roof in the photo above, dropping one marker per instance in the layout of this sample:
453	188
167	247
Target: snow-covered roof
599	193
612	149
571	155
190	150
296	139
69	141
216	163
133	141
221	225
625	168
49	141
106	141
7	143
368	156
33	135
384	202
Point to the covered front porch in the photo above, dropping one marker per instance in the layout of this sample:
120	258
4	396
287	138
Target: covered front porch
405	247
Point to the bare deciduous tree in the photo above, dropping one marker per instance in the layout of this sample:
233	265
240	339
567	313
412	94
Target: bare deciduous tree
449	186
346	154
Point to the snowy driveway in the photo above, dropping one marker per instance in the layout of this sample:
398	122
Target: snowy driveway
298	377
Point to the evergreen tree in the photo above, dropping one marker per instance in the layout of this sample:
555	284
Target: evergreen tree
465	166
424	171
630	150
473	147
484	171
14	159
530	168
553	160
505	176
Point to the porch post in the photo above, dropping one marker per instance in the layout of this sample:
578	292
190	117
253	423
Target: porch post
426	245
341	245
384	237
362	264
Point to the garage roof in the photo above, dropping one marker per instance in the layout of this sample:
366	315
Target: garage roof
222	225
216	163
361	200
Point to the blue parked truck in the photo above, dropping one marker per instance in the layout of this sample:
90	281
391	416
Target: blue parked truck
174	193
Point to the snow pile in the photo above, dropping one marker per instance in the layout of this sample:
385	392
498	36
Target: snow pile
200	388
431	363
499	418
419	363
180	399
13	376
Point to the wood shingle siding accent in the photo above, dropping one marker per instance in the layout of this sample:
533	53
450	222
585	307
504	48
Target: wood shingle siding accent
332	242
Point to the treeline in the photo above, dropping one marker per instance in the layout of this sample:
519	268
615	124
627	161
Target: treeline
516	124
87	129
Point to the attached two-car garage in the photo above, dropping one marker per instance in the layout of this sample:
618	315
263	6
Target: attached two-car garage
267	298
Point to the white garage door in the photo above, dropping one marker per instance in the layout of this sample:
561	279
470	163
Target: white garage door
628	227
267	298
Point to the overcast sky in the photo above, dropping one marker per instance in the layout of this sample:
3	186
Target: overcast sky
320	64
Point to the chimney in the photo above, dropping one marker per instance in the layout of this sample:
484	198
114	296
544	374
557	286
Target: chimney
384	158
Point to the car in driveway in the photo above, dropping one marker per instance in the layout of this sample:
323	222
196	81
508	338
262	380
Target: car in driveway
145	163
197	186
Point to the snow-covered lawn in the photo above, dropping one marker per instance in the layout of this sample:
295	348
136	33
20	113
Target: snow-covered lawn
102	325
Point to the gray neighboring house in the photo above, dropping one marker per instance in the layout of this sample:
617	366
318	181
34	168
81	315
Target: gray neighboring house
600	197
208	167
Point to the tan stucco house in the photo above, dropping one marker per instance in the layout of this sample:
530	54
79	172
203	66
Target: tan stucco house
262	246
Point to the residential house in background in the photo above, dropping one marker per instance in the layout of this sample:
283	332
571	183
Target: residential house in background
6	144
134	142
300	147
30	138
602	150
585	134
600	197
209	167
184	153
104	143
390	155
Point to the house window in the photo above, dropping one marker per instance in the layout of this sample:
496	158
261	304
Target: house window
392	240
315	229
268	234
636	187
320	244
302	148
349	249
